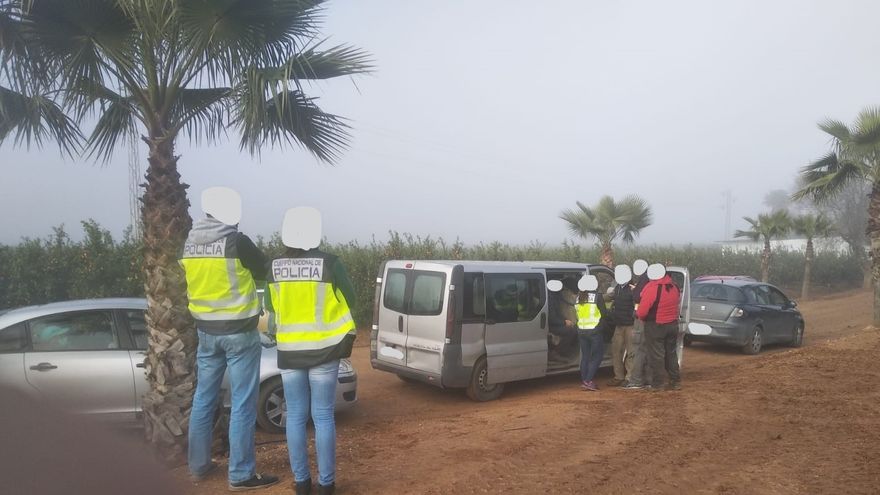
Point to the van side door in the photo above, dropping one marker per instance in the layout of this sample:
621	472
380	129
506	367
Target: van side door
393	320
516	326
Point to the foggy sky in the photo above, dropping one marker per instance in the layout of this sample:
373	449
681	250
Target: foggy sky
485	119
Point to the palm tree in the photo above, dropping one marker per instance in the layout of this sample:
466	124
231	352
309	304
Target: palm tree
766	227
162	69
812	227
854	157
609	221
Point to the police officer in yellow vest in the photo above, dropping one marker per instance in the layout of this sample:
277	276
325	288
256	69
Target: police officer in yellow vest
221	264
590	309
311	295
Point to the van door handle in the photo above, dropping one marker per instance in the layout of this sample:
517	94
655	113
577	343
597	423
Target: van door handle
44	367
400	323
543	320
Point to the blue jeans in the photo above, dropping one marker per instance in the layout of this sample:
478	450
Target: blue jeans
592	351
312	389
238	353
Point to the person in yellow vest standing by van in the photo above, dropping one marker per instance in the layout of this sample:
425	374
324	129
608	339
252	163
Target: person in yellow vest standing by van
590	309
311	295
221	264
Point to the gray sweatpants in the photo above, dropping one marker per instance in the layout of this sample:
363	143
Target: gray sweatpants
639	362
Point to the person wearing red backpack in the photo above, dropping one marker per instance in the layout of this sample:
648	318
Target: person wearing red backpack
659	309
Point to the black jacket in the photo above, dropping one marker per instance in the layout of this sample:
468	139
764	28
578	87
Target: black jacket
623	306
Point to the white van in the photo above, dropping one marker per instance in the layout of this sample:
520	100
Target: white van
452	324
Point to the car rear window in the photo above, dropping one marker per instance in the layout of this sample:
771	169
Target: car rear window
717	292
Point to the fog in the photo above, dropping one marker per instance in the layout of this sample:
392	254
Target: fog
483	120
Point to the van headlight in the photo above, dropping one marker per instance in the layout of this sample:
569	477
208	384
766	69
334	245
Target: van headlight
345	366
737	313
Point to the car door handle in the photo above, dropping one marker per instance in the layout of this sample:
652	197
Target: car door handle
44	367
400	323
141	365
543	320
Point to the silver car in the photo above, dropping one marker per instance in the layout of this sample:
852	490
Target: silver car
87	357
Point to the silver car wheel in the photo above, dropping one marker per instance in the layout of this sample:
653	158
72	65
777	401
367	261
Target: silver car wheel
756	341
276	408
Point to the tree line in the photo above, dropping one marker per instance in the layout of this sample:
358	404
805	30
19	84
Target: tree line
57	268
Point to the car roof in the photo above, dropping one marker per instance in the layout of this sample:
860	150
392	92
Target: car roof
13	316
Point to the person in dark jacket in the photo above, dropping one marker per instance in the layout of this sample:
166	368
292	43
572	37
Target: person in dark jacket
659	309
637	374
562	320
221	266
622	311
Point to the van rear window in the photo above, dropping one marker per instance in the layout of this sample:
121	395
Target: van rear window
395	289
427	294
414	292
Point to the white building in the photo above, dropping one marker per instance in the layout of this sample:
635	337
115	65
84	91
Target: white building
835	244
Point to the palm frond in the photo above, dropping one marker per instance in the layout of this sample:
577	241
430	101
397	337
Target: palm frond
234	34
203	113
117	121
290	117
341	60
35	118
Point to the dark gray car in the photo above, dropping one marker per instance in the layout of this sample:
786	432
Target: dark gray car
746	314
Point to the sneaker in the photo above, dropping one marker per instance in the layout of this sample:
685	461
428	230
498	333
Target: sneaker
633	386
673	386
616	383
256	482
197	478
590	386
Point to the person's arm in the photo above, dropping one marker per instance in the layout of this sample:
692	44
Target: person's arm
341	280
600	301
251	257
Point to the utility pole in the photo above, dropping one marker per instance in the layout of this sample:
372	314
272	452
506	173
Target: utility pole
728	212
134	178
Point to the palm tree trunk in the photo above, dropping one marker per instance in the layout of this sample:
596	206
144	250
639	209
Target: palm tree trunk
607	255
808	268
874	236
765	262
170	359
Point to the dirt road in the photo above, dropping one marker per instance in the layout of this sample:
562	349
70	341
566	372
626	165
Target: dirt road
786	421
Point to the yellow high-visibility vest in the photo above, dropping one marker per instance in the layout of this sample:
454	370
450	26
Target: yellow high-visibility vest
588	313
310	312
218	286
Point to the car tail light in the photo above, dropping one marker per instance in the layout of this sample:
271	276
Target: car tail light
450	316
737	313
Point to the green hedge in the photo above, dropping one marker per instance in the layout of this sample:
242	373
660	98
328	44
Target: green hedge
56	268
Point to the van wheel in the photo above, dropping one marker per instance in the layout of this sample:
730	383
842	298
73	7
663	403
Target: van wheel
479	389
753	346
